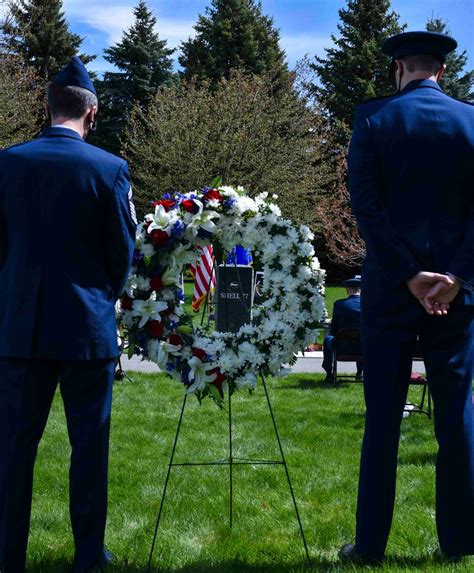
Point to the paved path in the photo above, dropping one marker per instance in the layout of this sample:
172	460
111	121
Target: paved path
311	363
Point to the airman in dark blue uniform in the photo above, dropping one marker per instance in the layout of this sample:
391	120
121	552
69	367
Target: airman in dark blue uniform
345	314
411	182
67	228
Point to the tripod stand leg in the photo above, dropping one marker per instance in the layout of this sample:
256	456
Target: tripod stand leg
231	465
286	470
168	473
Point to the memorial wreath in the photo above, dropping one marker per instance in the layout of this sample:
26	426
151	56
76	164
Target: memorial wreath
153	314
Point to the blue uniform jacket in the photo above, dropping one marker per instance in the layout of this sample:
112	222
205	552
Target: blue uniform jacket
345	314
411	178
67	231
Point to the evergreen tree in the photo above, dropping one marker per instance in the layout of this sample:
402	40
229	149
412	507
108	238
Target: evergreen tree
37	31
234	34
356	69
456	81
145	64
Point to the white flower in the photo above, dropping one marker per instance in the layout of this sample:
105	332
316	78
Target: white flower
242	205
183	255
162	220
307	249
157	353
143	283
148	310
198	375
126	318
248	381
202	220
305	273
147	250
306	233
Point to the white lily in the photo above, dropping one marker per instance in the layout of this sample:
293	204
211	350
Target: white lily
157	353
148	310
171	276
203	220
162	220
182	256
198	375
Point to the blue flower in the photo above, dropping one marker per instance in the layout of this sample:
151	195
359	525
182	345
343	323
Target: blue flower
137	258
178	229
229	202
185	376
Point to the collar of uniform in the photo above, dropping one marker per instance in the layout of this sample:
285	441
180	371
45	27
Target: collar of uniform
60	132
415	84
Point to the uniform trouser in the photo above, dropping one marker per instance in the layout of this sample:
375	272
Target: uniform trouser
86	389
447	345
328	356
10	399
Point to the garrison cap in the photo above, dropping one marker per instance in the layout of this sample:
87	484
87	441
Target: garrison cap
353	282
75	74
416	43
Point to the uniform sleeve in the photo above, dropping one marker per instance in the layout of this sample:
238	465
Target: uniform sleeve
462	264
335	320
3	237
120	231
393	257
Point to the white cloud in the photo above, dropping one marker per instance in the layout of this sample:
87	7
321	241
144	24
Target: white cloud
112	18
297	46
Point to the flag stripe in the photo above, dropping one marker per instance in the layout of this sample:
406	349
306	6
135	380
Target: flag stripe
204	276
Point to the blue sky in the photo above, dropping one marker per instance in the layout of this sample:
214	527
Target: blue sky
305	25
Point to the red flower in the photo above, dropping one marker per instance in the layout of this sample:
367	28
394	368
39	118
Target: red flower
220	378
127	303
175	340
155	328
167	204
190	206
159	237
156	283
199	352
213	194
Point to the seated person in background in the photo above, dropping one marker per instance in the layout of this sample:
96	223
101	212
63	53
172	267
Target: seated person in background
345	314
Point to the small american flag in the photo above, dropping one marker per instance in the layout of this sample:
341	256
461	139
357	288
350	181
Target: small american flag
204	274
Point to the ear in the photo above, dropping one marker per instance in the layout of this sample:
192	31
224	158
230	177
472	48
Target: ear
92	113
47	111
399	66
440	74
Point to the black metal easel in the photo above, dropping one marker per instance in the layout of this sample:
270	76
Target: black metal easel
231	461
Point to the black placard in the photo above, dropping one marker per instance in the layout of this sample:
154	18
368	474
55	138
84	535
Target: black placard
234	297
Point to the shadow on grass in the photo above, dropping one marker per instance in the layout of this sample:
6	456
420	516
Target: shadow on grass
417	459
237	566
233	566
307	384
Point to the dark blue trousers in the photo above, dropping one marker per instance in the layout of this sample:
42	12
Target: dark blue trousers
388	338
328	356
11	383
86	389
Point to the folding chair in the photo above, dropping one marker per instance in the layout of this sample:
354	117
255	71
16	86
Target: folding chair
419	380
346	348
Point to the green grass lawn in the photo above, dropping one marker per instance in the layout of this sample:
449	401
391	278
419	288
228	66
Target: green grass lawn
321	429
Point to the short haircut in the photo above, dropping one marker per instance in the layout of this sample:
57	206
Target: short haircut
422	63
70	101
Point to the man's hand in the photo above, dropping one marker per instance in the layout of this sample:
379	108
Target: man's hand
423	283
441	294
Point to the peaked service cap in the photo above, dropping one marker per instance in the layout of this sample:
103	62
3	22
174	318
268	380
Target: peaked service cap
415	43
75	74
353	282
